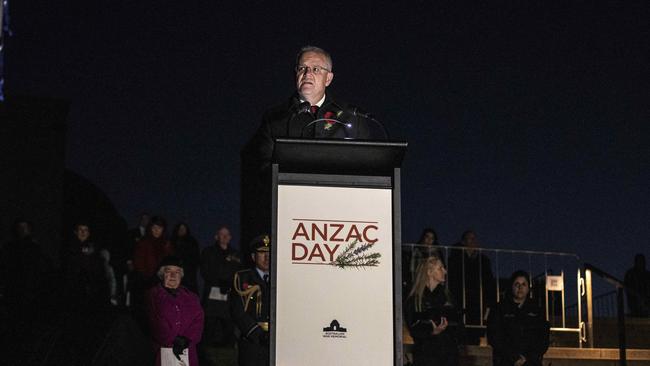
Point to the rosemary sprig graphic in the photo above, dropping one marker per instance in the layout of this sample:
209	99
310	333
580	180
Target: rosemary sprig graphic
356	255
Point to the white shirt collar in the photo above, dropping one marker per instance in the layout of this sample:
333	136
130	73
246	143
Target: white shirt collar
320	102
261	273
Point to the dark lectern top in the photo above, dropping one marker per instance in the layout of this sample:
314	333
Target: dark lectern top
333	156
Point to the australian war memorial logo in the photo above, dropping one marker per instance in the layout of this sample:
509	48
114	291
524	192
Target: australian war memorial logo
343	244
335	330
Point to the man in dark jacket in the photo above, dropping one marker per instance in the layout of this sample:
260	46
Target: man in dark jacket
311	102
90	279
311	112
472	282
637	288
250	305
219	263
517	329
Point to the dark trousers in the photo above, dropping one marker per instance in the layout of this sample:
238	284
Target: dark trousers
253	354
431	354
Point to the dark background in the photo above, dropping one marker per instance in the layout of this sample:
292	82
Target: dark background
527	123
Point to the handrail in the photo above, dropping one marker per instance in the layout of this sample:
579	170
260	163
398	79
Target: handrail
606	276
620	287
606	301
497	250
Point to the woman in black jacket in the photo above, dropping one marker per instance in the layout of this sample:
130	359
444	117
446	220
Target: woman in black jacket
517	329
431	316
187	249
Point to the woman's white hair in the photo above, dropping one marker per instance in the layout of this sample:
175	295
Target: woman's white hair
161	272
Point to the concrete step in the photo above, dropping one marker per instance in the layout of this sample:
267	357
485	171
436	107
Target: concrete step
563	356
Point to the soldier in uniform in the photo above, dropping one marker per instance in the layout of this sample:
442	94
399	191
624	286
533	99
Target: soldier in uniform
250	305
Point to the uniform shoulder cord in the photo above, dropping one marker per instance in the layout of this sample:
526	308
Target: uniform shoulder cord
254	290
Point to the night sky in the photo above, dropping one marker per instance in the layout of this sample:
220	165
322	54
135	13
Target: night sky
527	123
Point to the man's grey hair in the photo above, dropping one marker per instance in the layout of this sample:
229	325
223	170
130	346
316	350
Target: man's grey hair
315	49
161	272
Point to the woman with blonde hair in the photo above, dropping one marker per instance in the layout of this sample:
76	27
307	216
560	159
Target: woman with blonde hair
431	316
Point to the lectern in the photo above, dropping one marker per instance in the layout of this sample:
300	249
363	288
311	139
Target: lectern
335	262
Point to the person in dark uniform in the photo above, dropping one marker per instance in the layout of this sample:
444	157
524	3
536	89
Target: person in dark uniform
473	284
219	263
250	305
431	317
517	329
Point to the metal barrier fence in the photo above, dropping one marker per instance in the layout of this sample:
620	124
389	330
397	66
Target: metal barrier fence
478	278
604	305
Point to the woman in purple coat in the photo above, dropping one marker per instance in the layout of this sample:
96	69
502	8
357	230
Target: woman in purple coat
175	313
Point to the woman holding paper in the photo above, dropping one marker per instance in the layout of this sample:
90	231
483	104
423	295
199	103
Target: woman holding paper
175	317
431	317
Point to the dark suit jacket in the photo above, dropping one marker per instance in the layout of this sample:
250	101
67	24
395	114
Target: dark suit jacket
284	121
513	331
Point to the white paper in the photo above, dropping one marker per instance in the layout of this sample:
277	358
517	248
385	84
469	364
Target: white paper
215	294
167	358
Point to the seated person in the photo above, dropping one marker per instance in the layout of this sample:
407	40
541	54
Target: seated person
517	329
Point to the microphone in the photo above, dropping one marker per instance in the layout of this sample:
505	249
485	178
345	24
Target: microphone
298	108
304	107
330	119
358	112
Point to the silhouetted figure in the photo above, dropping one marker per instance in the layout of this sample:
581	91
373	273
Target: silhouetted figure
517	329
637	287
427	246
140	231
219	262
134	236
472	282
151	249
148	253
90	279
187	249
23	268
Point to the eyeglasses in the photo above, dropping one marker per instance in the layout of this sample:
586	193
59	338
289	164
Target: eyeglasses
316	70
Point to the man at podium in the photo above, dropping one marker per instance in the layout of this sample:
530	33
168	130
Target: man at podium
311	112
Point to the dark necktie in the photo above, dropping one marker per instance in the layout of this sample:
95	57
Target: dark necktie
266	278
314	110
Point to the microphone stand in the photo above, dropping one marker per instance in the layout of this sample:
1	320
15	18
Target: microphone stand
346	125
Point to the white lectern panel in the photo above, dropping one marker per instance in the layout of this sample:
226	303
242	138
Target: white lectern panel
334	297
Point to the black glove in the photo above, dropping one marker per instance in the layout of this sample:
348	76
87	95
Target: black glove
265	339
256	336
180	343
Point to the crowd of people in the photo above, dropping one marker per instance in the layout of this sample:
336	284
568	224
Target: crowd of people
437	308
226	320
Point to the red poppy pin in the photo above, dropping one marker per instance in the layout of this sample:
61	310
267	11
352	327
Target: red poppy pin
328	122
